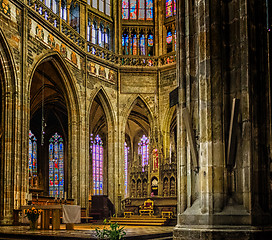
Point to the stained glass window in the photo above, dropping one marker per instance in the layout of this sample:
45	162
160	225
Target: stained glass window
74	16
137	9
133	9
32	159
56	166
126	168
133	44
101	5
142	44
141	9
149	9
107	34
144	150
150	40
169	39
55	6
125	9
94	4
125	43
108	7
63	12
94	33
170	6
97	160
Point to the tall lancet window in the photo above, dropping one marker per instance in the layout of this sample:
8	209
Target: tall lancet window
126	168
170	6
97	159
32	160
143	150
56	167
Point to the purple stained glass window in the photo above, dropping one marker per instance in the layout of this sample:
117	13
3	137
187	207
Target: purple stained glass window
133	9
97	162
32	159
56	166
175	10
144	150
126	168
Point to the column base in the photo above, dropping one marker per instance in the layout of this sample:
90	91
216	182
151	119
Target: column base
192	232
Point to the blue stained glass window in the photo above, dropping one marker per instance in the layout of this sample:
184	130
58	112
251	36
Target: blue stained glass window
94	4
94	33
97	162
149	9
150	40
101	5
32	159
56	166
125	44
144	150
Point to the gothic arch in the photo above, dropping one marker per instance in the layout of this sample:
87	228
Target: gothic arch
66	83
110	123
9	122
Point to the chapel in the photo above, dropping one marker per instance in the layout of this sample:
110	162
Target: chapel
112	103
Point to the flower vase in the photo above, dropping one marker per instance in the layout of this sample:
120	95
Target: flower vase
33	225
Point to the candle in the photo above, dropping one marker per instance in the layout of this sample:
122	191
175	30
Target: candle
37	196
65	195
16	196
30	197
26	196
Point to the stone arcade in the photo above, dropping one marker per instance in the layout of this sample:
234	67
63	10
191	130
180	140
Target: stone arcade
85	110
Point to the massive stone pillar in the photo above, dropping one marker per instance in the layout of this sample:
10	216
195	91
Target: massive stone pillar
222	55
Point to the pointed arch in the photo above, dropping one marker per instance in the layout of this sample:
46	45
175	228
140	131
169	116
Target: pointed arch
71	104
9	126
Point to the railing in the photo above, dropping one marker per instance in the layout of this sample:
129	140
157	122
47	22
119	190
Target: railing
94	49
167	58
102	53
130	60
45	12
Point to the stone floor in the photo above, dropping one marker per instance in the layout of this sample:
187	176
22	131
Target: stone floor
83	231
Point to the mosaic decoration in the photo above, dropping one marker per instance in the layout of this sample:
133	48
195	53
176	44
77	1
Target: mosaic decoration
97	162
39	32
56	166
4	7
92	68
63	50
32	159
126	168
143	150
112	76
51	40
74	58
102	71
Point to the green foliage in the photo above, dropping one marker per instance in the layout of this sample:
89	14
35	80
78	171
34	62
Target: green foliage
114	233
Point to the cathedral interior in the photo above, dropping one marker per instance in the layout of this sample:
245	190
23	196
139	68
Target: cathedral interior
122	101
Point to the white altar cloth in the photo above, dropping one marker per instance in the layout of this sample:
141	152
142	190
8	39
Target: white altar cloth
71	213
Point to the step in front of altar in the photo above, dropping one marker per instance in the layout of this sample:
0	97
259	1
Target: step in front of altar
137	220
